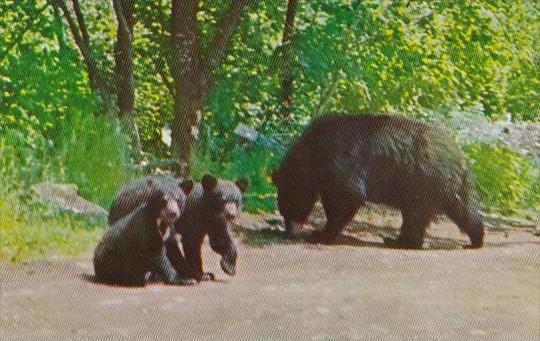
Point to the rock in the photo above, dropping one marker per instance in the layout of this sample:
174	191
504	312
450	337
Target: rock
274	219
252	222
66	196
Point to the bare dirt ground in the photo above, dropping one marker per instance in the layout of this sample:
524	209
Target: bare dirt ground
354	290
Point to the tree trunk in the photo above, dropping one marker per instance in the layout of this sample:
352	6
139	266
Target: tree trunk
287	79
188	107
192	72
185	66
125	82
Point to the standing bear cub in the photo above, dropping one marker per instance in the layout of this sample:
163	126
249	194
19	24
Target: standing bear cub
133	246
346	160
211	207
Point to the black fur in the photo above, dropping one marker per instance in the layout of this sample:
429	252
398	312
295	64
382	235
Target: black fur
346	160
133	245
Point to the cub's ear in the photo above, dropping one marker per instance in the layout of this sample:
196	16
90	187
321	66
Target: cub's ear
242	184
151	183
208	183
186	186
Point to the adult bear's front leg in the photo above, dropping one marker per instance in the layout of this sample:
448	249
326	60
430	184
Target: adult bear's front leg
339	212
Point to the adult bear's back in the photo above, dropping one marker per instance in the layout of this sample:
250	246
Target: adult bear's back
403	152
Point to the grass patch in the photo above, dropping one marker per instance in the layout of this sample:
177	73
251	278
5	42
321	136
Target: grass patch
264	237
95	156
32	232
88	151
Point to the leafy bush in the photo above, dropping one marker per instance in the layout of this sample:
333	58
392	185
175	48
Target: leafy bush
507	181
94	155
255	162
90	152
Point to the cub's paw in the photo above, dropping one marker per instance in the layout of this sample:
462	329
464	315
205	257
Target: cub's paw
187	282
208	276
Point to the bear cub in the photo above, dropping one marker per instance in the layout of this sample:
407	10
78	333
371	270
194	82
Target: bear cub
133	246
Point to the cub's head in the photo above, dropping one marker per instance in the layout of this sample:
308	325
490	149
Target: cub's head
163	210
222	202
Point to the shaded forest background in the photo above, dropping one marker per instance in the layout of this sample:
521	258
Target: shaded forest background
99	92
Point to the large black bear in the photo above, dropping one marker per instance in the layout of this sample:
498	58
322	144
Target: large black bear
348	159
209	209
133	246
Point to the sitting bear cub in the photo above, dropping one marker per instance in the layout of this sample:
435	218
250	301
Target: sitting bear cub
133	246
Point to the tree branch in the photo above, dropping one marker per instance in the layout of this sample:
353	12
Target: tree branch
73	28
289	22
122	23
160	68
97	82
19	38
60	29
80	21
221	39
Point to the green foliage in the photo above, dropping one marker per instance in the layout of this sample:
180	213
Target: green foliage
29	232
256	163
418	57
506	180
94	155
90	153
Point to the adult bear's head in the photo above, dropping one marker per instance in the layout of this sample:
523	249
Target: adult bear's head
221	204
295	198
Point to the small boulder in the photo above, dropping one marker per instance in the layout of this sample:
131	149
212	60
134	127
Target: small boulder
66	196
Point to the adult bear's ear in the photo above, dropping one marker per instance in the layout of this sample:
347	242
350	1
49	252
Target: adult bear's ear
242	183
208	183
186	186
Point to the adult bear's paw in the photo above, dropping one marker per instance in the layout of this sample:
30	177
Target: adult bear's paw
320	237
401	243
